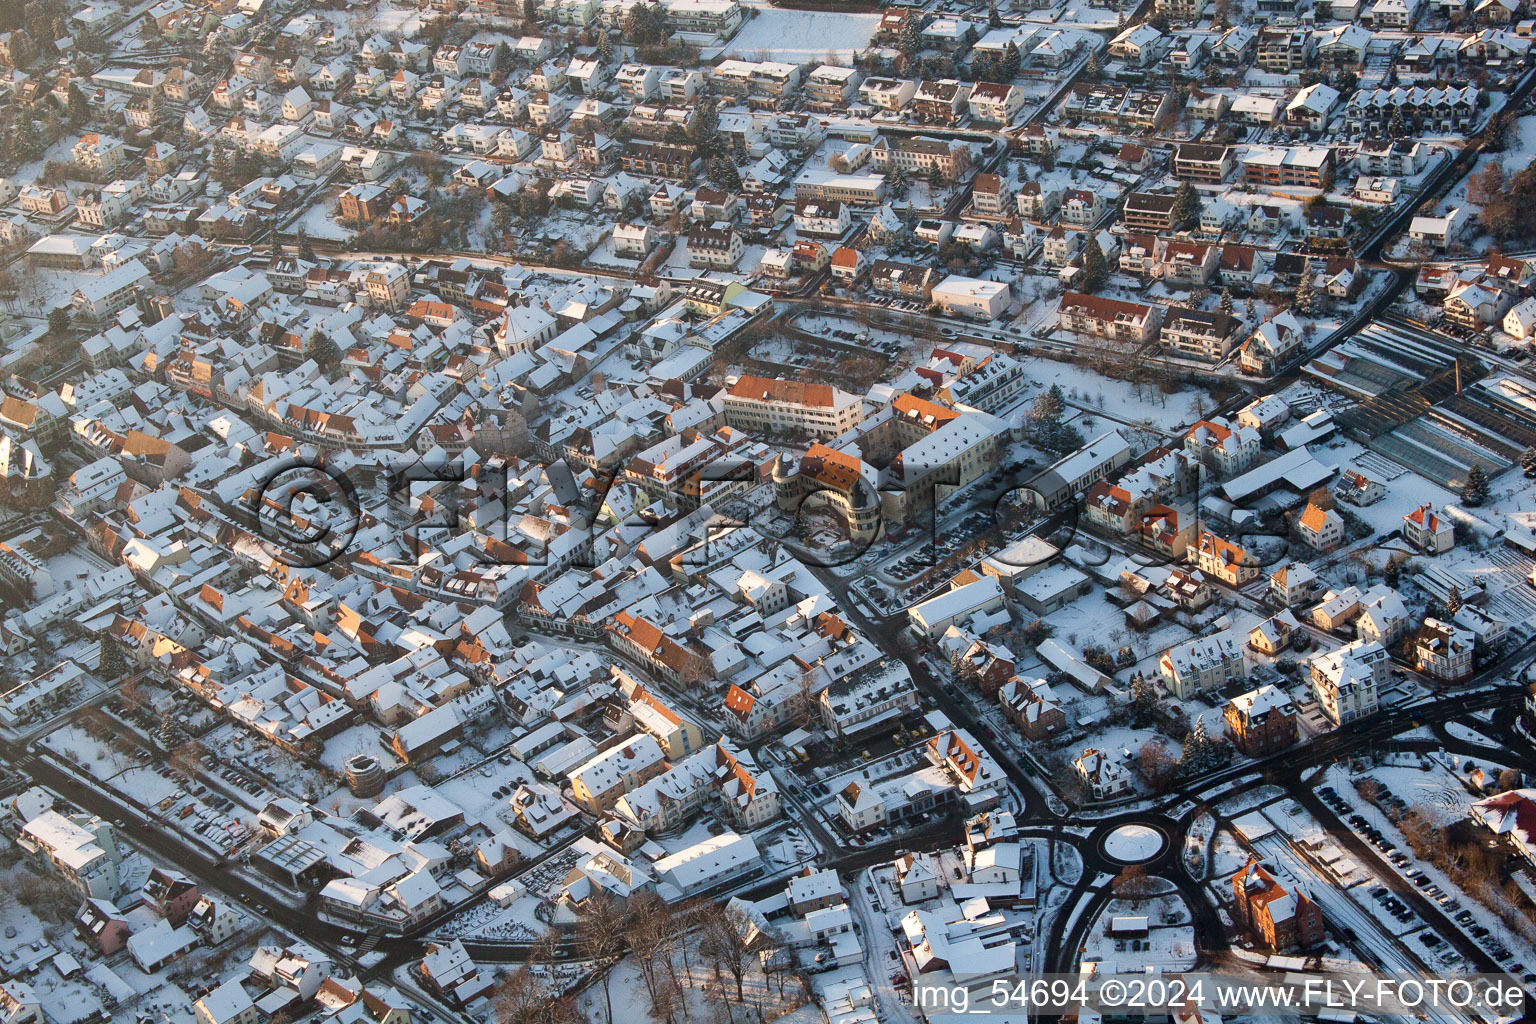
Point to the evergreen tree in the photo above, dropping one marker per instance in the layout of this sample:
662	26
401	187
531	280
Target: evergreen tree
1226	302
79	108
1453	600
994	20
1397	127
221	160
1186	206
1304	301
171	734
1528	458
323	351
723	174
110	660
1095	266
58	320
910	43
1046	428
1012	60
531	11
1049	405
605	48
1201	752
1143	699
1095	70
705	131
1475	491
26	143
1496	135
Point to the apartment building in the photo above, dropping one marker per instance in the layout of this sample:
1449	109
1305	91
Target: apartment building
99	155
819	410
1443	650
1310	166
830	89
1202	665
835	477
1283	50
715	246
678	736
918	156
879	694
1032	707
1196	334
996	103
99	298
660	160
904	280
389	285
944	101
1347	682
1109	318
1222	560
1279	918
80	849
1222	447
1261	722
821	218
1203	164
599	783
718	19
887	93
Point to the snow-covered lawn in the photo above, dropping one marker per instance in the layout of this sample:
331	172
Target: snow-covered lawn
1133	844
1169	943
318	222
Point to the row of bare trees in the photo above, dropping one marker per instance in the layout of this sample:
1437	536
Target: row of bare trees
1462	851
667	943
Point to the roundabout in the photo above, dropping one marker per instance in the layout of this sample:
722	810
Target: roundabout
1134	844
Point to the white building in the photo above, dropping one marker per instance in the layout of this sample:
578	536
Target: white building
1203	664
1347	681
967	296
82	851
707	864
1103	773
931	618
1428	531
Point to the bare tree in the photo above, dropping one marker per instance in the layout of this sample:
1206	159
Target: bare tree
666	1003
518	998
1133	884
600	934
649	936
725	943
1157	766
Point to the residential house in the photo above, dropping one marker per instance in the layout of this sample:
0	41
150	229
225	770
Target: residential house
1261	722
1279	918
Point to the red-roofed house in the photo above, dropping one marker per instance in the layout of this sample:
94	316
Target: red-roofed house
1280	918
1321	528
1225	560
1427	531
1511	816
